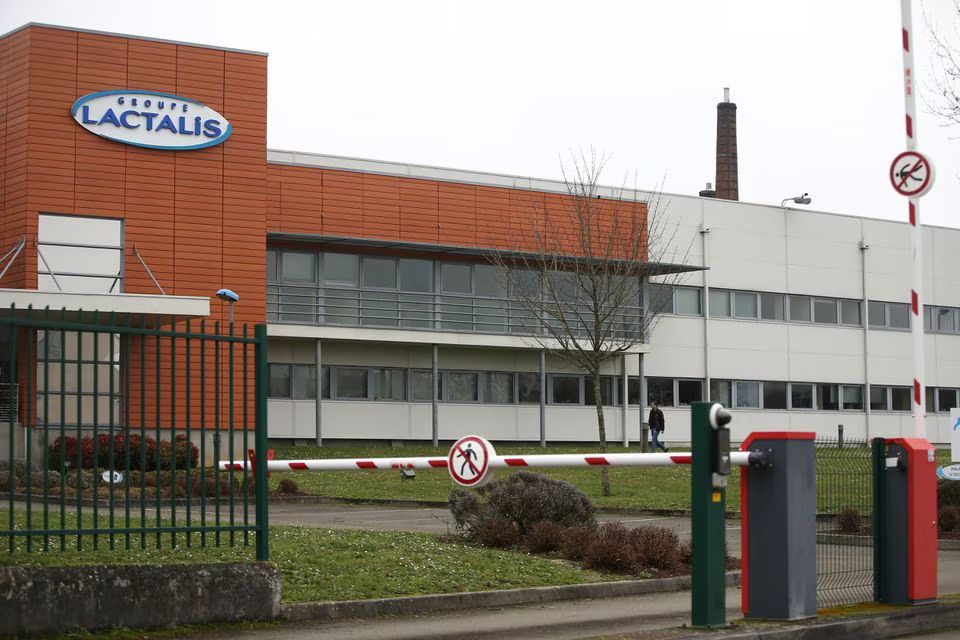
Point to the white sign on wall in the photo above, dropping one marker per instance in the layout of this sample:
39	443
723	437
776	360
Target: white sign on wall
151	119
954	427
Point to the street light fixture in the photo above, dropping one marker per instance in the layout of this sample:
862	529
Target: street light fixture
228	296
804	199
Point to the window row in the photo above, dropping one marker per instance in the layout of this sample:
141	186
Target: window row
756	394
298	381
752	305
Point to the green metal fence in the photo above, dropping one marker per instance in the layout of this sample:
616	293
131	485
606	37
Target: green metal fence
120	422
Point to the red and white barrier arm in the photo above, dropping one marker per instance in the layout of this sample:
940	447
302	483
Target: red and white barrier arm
737	458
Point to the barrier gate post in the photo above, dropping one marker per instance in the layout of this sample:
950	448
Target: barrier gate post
710	441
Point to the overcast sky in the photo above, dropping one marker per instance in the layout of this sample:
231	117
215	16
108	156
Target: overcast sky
509	86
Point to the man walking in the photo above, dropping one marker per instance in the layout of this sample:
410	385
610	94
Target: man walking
657	426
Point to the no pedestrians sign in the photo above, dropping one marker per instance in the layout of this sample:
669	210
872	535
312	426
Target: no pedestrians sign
469	461
911	174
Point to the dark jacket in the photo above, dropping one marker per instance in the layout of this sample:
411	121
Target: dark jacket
656	420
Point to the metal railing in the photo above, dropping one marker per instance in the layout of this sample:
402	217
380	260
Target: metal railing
845	559
139	473
312	305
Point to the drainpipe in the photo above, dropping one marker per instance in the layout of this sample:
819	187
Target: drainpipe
704	234
864	247
319	401
543	398
626	435
436	389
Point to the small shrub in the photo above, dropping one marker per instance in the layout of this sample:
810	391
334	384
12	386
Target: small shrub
544	537
576	539
288	486
498	533
144	454
610	549
849	520
685	553
948	493
525	498
655	548
948	518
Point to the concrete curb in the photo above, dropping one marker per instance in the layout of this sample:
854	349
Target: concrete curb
326	611
902	621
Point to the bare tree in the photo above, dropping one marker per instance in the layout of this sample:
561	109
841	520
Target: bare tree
945	84
580	286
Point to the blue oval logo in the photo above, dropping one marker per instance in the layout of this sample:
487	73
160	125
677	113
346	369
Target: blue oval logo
151	119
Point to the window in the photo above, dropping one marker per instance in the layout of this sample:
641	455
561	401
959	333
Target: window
660	390
528	387
298	266
273	266
565	389
828	397
455	278
633	391
744	304
719	303
341	268
341	306
606	391
722	391
462	386
304	381
689	391
490	309
390	384
877	314
688	301
279	380
774	395
878	398
944	320
825	311
660	298
931	403
799	308
747	394
351	383
850	312
379	273
421	385
771	306
899	315
852	397
801	396
900	398
946	400
498	388
416	275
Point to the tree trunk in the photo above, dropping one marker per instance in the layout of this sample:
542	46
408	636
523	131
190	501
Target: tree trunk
602	430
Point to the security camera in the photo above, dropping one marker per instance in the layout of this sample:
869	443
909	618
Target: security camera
719	417
229	296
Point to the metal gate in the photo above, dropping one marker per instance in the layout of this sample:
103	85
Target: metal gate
844	522
117	424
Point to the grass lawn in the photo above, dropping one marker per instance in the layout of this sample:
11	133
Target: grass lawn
334	564
636	487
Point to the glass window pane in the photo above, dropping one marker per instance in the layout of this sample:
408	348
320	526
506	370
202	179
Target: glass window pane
744	304
945	320
928	318
799	308
566	389
853	397
660	298
931	403
272	266
304	381
298	266
660	390
528	386
900	399
828	397
351	383
825	311
462	386
946	400
379	308
747	394
489	282
878	398
340	306
689	391
774	395
390	384
850	312
606	391
722	391
801	396
877	314
899	315
416	275
380	273
633	390
421	385
771	306
279	380
498	388
719	303
688	301
341	268
325	382
455	278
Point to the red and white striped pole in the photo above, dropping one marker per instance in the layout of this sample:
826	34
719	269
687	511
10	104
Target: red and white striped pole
916	254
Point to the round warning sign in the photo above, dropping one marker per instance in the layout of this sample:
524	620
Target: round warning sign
911	174
469	461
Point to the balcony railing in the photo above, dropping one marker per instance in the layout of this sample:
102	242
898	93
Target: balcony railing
291	304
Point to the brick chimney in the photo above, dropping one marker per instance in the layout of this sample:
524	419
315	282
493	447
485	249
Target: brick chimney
727	179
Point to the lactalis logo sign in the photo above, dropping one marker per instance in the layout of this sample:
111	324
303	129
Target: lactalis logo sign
151	119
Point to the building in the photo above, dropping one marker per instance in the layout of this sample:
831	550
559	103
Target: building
379	272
